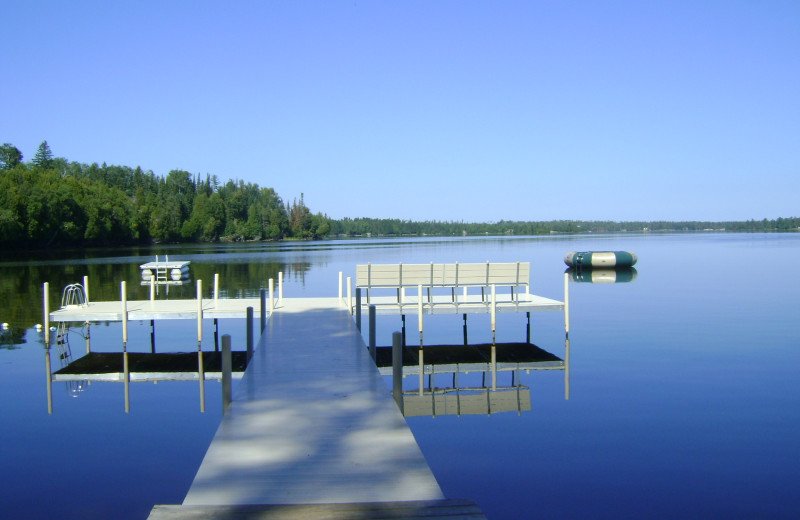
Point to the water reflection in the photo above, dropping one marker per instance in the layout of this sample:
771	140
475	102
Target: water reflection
240	277
157	287
619	275
137	367
11	337
471	379
63	353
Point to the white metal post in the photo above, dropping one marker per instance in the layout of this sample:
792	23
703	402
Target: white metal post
566	368
349	296
199	311
124	297
421	351
566	303
46	302
494	312
419	310
271	285
494	367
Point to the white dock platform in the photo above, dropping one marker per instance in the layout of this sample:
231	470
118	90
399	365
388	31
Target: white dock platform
312	422
157	310
472	304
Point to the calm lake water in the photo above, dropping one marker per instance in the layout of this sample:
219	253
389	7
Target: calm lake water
684	387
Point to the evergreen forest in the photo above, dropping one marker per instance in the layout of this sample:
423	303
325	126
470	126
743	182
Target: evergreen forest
51	201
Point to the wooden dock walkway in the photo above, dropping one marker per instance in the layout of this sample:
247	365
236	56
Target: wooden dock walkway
314	432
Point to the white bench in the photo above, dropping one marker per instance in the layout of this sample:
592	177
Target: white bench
515	275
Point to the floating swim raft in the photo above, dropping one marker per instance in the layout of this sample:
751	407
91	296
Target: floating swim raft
166	270
601	259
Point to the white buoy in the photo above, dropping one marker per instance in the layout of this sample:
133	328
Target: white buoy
4	326
38	327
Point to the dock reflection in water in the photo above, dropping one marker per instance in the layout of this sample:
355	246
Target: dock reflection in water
494	362
137	367
156	285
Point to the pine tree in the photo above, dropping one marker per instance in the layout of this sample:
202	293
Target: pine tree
44	157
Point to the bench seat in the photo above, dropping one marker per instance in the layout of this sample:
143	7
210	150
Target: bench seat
454	276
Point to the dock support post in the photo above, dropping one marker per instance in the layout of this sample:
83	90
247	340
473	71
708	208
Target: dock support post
403	327
566	369
227	368
124	298
280	287
86	288
216	335
49	379
46	305
153	336
494	367
421	345
528	333
216	287
201	373
263	309
88	337
201	377
199	311
397	370
566	304
372	340
421	371
465	330
358	308
494	313
126	374
419	313
271	284
249	333
152	288
349	295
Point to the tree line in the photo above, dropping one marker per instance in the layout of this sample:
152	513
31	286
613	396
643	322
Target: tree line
52	201
394	227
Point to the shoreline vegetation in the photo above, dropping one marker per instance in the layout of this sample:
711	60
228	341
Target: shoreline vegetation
52	202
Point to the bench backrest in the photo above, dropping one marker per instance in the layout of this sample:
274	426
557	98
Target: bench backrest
442	275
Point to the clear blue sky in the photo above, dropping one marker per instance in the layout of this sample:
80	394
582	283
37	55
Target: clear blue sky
446	110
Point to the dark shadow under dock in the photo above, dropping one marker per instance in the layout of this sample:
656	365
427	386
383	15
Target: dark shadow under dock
467	354
96	363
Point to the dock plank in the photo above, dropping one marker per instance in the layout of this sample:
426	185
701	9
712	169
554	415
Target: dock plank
312	422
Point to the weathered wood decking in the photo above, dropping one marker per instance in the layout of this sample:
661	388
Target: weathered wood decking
312	422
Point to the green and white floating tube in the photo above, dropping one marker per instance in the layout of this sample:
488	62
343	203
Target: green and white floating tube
600	259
